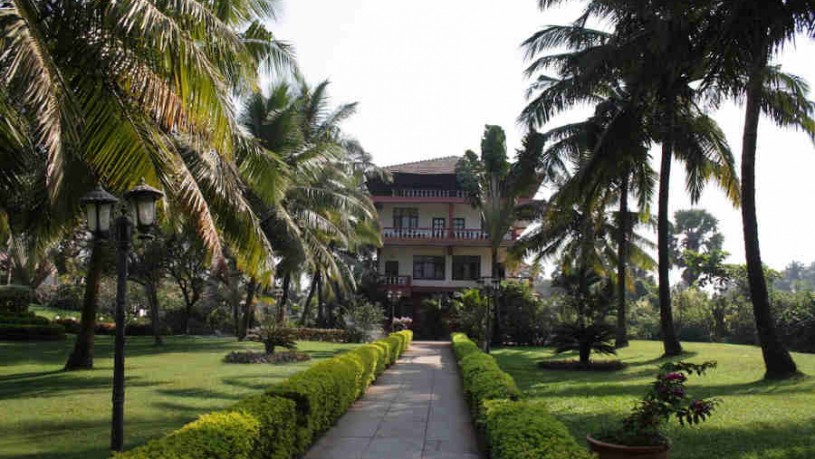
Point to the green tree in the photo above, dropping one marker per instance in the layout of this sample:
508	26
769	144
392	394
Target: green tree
696	240
495	186
746	36
655	48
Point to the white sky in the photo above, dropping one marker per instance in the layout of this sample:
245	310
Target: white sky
429	74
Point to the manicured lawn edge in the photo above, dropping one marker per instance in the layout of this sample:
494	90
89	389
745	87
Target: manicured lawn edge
287	418
509	427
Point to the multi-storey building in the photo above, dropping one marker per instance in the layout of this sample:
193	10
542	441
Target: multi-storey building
433	240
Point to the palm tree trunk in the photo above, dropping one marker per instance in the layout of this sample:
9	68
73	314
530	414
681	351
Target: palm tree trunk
249	307
82	356
307	307
320	312
496	310
777	360
621	340
281	309
155	320
669	339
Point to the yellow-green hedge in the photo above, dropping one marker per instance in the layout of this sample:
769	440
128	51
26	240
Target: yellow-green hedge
283	422
512	429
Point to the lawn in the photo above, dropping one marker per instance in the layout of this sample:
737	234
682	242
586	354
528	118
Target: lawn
47	413
758	419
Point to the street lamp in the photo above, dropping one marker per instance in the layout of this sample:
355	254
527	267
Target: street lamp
490	284
99	209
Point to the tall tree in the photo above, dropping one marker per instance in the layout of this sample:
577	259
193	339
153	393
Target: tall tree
654	48
495	186
743	40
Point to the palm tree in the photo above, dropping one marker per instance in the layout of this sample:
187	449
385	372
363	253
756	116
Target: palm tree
747	35
117	92
610	151
324	210
653	49
494	186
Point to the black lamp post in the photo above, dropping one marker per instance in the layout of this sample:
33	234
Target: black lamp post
99	209
489	284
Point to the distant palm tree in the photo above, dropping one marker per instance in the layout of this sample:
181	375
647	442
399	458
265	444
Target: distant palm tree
494	186
742	40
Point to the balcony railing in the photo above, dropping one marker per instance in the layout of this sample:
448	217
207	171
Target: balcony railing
417	193
471	234
396	281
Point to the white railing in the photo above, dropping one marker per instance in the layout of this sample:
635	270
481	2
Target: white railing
401	281
467	234
417	193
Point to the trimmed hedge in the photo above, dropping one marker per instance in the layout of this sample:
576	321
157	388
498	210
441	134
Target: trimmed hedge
23	318
526	430
277	419
511	429
215	435
31	332
14	299
283	422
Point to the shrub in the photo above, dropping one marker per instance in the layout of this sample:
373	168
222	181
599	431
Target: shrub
262	357
470	310
386	350
395	343
362	320
484	380
372	359
216	435
463	346
272	335
526	430
403	323
523	315
67	296
14	299
31	332
320	334
277	419
27	318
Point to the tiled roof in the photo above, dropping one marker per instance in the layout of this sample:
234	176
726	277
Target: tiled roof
445	165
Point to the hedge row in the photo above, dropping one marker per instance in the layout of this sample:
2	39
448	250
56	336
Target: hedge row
512	429
31	332
284	421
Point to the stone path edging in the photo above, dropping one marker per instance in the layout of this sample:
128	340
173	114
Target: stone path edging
415	410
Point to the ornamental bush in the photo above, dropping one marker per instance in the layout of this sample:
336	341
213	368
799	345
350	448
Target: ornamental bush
217	435
31	332
526	430
14	299
277	418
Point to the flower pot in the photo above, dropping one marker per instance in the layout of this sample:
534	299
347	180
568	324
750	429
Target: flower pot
613	451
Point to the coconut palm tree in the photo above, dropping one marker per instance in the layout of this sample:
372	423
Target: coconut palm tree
746	36
324	210
610	153
653	49
117	92
494	186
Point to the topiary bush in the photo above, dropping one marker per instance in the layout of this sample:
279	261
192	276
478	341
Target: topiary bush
526	430
14	299
215	435
463	346
277	418
484	380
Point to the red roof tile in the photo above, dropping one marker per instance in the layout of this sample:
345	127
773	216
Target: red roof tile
445	165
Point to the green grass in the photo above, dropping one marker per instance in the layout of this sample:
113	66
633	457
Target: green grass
52	313
758	419
47	413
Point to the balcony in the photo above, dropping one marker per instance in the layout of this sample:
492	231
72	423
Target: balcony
397	284
420	195
435	234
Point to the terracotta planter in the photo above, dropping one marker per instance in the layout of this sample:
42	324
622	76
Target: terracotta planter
612	451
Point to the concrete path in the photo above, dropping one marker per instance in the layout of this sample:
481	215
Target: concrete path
415	410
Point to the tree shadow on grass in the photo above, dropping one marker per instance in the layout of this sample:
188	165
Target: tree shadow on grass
784	440
199	393
54	384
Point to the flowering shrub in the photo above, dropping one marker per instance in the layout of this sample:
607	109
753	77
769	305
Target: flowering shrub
261	357
402	323
667	398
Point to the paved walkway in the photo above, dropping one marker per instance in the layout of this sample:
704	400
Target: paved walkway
415	410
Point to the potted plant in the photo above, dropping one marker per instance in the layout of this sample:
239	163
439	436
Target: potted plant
641	434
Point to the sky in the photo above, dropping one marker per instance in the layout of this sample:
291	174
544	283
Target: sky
429	74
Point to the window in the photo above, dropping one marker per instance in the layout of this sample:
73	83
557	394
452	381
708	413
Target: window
427	267
458	223
405	217
391	268
438	227
466	267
